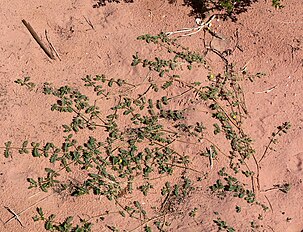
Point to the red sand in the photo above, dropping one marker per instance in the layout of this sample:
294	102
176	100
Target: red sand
271	40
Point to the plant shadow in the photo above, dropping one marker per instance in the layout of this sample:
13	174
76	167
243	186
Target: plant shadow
225	8
202	8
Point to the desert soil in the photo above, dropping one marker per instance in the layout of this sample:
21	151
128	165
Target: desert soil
271	41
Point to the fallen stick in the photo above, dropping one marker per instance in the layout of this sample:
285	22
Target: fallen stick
52	46
211	158
268	90
36	37
89	22
16	216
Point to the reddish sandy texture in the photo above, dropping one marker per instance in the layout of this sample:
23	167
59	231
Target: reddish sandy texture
271	40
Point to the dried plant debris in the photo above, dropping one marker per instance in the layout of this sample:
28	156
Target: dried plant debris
100	3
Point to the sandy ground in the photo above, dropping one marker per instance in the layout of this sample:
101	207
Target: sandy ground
271	41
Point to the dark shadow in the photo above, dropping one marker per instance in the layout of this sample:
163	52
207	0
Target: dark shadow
201	8
225	8
100	3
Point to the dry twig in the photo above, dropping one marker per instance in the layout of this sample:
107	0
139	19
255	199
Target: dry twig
16	216
38	40
52	46
194	30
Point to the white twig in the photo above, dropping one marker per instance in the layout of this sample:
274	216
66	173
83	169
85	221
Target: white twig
51	45
211	158
275	86
193	30
16	216
268	90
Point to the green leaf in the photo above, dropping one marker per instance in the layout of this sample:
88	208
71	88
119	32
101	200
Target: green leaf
48	170
136	60
51	217
32	181
238	209
44	187
35	152
164	100
53	158
137	204
167	84
69	219
7	152
24	144
40	212
127	112
36	218
159	105
48	225
110	83
122	213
